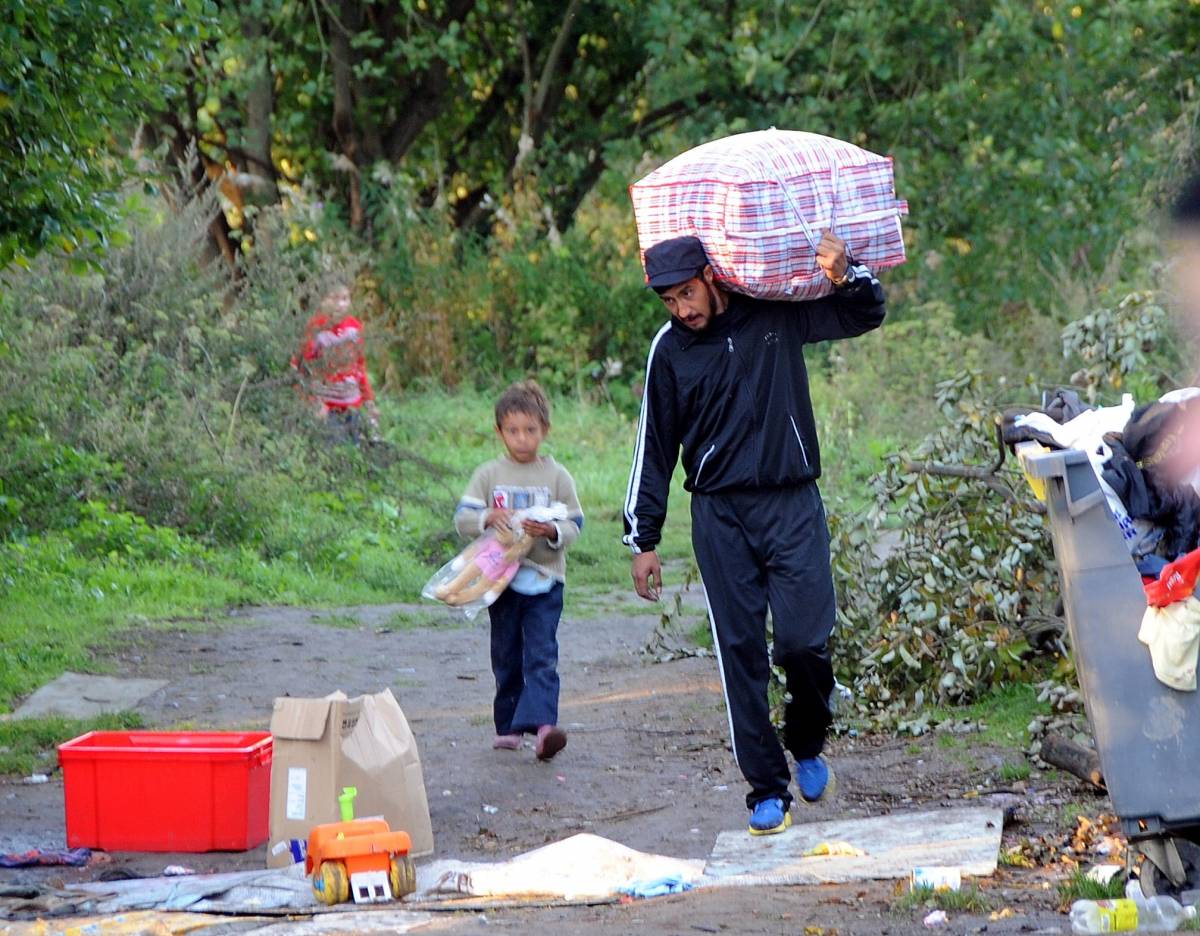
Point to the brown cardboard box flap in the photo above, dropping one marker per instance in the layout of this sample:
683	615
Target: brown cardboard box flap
300	719
323	745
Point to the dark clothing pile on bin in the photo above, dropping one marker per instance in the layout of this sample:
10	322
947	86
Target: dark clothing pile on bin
1131	450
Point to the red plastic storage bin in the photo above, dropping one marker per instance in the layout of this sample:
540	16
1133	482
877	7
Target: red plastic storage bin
167	791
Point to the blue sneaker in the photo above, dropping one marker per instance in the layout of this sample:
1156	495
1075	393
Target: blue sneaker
813	778
769	816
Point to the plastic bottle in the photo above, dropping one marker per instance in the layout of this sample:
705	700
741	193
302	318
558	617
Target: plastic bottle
1156	915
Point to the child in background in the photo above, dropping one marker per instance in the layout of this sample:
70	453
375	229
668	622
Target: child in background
333	368
525	617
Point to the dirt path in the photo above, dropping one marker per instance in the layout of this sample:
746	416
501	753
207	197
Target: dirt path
648	763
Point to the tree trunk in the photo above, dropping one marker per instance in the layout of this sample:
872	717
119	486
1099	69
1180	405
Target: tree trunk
427	91
260	107
344	127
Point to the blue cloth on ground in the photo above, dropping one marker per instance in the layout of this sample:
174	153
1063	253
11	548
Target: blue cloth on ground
658	887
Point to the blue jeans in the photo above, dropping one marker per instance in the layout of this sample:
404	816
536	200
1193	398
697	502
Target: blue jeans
525	659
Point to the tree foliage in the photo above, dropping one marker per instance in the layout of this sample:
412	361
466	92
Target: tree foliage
955	600
1024	132
76	77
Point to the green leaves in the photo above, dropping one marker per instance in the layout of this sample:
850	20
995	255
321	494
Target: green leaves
76	79
934	610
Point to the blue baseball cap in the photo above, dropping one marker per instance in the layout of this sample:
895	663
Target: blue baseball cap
674	261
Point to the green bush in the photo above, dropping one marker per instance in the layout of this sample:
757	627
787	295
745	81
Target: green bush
943	608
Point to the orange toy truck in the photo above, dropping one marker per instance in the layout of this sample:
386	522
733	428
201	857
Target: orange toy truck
363	859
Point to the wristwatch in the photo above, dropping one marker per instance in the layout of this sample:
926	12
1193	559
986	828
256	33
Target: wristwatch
848	277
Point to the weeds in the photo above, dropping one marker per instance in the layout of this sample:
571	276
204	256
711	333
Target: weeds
1015	772
29	745
338	621
968	899
1081	887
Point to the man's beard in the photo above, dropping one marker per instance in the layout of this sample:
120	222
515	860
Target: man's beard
713	305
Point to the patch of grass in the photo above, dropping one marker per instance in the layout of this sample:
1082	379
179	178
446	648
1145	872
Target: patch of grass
1015	771
412	620
1005	714
1070	813
913	749
701	634
948	741
1080	887
339	621
29	745
968	899
968	759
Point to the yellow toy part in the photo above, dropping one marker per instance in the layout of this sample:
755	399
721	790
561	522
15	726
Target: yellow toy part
402	877
331	883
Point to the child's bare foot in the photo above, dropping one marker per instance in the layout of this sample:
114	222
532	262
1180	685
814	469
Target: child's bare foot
550	740
507	742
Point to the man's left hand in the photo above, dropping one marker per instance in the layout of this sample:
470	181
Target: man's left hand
832	256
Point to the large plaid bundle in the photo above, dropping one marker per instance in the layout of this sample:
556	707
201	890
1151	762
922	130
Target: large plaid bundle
759	201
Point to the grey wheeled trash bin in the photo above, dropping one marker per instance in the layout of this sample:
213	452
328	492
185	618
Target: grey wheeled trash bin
1147	734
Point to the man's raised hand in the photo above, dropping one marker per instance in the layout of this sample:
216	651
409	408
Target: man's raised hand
647	575
832	256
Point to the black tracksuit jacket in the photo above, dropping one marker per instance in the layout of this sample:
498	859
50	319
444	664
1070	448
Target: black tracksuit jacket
735	397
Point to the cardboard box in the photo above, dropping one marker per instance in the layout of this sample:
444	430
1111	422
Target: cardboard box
323	745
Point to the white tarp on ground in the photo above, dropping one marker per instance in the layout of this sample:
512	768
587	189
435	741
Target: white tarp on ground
580	867
967	839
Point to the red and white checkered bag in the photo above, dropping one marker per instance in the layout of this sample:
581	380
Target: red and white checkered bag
759	202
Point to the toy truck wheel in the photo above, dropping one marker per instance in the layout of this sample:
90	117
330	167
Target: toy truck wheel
331	883
403	877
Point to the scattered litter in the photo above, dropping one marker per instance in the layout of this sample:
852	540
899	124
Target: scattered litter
36	778
937	879
721	788
446	793
490	810
44	857
1004	914
937	918
671	884
834	850
560	778
177	871
1103	873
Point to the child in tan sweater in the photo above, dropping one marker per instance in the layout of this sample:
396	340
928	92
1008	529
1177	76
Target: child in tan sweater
525	617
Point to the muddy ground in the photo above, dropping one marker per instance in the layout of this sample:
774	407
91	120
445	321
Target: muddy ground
648	764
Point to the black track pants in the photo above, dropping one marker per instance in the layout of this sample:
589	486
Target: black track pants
757	549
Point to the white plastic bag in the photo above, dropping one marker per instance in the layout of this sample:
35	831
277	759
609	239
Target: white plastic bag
478	575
